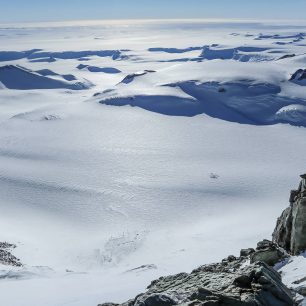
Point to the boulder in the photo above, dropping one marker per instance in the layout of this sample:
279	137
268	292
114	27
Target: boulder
246	252
267	252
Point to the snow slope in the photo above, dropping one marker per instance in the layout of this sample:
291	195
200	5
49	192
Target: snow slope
196	163
17	77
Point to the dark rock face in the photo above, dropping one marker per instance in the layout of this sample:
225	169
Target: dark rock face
299	75
6	257
246	252
282	232
287	56
298	235
225	284
290	231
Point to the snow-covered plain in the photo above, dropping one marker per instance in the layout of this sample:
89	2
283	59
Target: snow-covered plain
101	199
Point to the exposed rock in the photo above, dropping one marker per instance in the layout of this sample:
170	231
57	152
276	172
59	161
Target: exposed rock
246	252
264	244
51	117
214	176
6	245
231	282
282	232
267	252
301	290
143	268
221	89
231	258
299	281
158	300
130	77
299	75
6	257
290	231
298	235
287	56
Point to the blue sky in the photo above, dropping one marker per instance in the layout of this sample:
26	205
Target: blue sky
60	10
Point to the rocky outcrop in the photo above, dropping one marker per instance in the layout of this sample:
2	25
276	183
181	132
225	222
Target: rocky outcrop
299	75
231	282
246	252
130	77
290	230
267	252
6	257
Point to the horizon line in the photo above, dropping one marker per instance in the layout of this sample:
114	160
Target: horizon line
91	22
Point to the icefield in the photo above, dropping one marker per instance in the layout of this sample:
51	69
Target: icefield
130	150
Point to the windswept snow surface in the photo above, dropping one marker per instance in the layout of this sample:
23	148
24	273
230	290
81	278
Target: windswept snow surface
293	272
179	147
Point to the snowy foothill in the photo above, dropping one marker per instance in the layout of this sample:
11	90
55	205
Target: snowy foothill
131	150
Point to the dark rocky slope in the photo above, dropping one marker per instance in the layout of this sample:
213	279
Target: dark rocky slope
232	282
227	283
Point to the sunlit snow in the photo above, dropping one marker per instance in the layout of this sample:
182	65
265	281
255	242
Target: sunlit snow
133	150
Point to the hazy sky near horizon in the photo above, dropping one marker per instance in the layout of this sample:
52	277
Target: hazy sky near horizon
60	10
